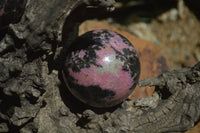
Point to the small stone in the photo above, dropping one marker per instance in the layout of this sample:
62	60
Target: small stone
64	111
102	68
152	60
173	14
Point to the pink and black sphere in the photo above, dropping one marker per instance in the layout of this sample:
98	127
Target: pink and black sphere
101	68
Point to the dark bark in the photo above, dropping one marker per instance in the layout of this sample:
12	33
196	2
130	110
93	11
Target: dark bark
33	97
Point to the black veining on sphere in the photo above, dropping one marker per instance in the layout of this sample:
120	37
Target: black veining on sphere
78	63
118	53
106	34
131	61
91	42
84	42
126	41
92	94
128	56
89	58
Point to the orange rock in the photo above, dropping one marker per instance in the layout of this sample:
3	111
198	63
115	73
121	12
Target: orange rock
195	129
152	60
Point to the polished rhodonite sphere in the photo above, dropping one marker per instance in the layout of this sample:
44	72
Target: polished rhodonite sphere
101	68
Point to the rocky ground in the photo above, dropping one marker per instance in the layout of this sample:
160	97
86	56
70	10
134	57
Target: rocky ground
33	96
